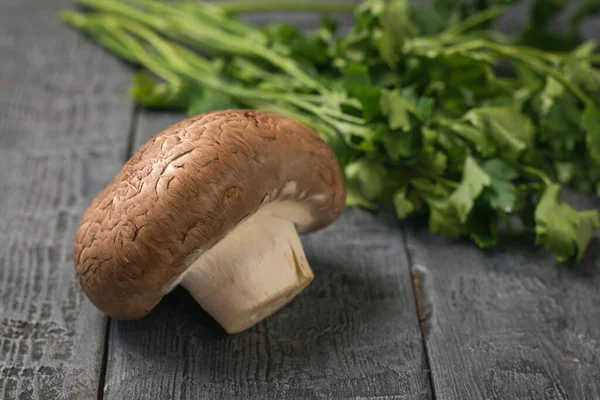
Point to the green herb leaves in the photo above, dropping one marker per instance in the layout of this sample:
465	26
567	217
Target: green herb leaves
397	109
396	27
562	230
473	182
427	111
501	194
590	122
511	131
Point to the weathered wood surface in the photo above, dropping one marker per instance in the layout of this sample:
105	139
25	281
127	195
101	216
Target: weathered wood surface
503	324
352	334
64	119
509	323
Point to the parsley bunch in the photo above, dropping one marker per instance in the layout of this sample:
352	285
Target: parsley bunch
428	109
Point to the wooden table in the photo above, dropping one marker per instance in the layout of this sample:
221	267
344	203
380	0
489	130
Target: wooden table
394	312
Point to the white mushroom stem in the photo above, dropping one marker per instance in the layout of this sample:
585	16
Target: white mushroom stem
254	271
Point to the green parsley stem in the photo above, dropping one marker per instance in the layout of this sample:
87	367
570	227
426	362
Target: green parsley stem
99	32
121	33
438	179
283	5
474	20
555	56
531	61
535	172
544	69
177	24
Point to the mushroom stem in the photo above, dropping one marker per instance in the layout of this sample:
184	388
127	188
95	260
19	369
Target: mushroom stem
254	271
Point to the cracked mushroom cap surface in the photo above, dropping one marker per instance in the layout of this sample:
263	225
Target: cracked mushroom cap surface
186	189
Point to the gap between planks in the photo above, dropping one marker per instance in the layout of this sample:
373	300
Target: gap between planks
423	311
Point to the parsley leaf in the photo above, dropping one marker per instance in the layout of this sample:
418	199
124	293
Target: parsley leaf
159	95
396	27
403	206
358	82
369	175
474	181
581	71
483	227
354	197
590	122
501	193
397	109
443	217
561	229
477	137
512	131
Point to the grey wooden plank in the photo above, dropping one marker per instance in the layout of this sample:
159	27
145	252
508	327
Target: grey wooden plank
352	334
64	120
509	323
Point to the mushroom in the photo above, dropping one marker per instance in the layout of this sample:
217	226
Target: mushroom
216	203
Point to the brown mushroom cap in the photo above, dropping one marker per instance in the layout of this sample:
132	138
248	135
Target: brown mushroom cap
185	189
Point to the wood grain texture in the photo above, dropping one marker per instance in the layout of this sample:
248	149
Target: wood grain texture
64	119
508	323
